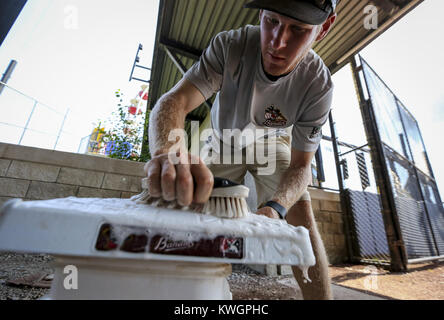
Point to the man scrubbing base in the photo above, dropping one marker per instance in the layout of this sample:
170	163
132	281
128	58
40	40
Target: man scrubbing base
266	78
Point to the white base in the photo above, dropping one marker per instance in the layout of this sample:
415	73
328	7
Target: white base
110	279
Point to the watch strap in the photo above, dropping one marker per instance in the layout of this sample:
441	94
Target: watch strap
276	206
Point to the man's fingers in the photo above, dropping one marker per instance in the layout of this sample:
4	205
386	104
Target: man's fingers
153	170
183	181
168	180
184	185
204	181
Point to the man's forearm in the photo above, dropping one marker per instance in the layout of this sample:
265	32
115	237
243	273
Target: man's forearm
293	183
166	116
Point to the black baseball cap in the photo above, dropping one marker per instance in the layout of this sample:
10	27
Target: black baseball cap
314	12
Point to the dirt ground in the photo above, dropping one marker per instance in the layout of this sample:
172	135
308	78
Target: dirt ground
422	282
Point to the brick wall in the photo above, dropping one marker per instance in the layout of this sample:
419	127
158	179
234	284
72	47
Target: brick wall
37	174
329	218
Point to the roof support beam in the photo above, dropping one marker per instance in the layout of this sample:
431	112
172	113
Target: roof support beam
180	66
181	48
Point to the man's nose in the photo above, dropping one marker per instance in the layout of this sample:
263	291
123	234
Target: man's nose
280	37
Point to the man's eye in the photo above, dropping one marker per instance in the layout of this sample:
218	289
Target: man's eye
297	29
273	21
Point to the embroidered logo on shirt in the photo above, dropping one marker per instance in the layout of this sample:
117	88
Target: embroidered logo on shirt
274	117
315	133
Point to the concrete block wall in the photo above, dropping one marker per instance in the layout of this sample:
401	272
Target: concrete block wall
38	174
330	221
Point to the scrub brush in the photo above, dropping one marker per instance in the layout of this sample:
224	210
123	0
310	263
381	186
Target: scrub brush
227	200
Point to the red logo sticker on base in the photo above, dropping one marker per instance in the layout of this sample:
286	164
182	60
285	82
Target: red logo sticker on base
141	240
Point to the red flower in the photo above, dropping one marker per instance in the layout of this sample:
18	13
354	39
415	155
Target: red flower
132	110
145	96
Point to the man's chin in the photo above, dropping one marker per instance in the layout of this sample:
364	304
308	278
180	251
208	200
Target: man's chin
275	70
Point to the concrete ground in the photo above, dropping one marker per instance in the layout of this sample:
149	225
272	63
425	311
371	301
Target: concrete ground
343	293
248	284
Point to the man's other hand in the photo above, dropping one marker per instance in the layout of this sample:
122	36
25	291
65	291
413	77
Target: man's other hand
188	181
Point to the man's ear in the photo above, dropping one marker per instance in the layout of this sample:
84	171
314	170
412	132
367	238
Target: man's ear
326	27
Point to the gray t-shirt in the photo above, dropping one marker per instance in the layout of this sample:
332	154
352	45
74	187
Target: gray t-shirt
299	102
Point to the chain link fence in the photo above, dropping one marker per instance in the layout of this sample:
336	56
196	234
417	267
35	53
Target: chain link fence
27	121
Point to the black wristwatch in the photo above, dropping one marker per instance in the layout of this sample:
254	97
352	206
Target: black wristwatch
276	206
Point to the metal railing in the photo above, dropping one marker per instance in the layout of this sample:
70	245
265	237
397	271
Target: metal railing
26	121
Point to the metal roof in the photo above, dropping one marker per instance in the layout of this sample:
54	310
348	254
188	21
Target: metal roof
185	28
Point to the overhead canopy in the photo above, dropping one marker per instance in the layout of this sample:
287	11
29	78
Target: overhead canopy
185	28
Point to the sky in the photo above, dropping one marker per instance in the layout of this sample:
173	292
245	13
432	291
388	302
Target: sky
76	53
408	59
73	54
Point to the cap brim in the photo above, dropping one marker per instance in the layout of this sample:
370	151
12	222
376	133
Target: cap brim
298	10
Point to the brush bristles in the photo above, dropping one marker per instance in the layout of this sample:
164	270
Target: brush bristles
142	197
222	202
226	207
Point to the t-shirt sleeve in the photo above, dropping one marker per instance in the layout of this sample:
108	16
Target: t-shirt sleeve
207	73
307	131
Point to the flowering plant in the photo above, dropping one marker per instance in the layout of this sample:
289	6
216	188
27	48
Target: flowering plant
124	131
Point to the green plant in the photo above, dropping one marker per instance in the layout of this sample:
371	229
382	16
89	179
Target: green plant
124	131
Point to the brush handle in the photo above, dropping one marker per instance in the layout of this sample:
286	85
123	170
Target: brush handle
218	183
223	183
224	188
